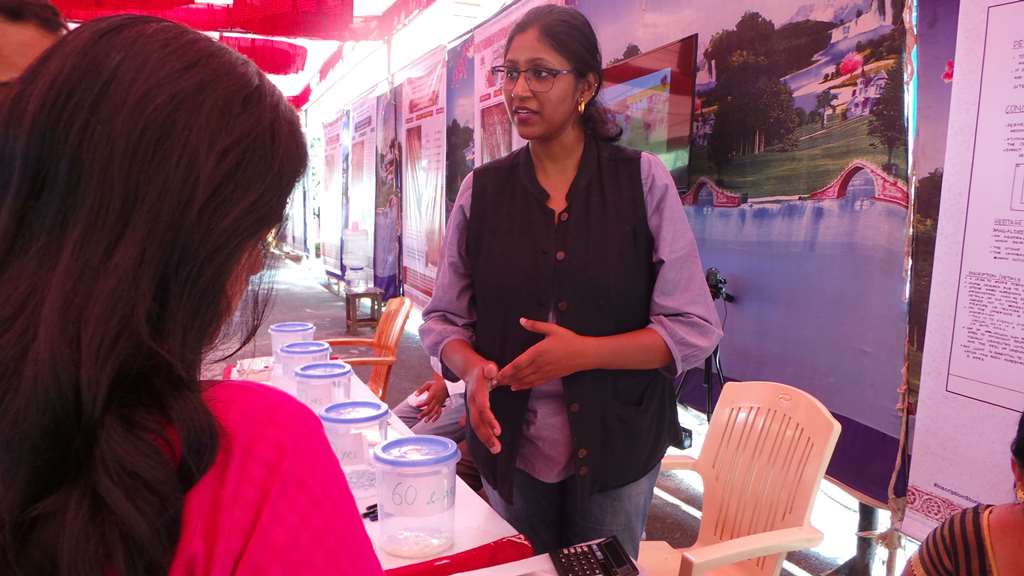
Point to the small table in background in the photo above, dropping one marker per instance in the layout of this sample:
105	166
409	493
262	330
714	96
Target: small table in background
352	298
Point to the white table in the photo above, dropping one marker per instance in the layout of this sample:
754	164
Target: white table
476	523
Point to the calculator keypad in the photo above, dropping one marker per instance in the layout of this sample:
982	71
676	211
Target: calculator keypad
583	560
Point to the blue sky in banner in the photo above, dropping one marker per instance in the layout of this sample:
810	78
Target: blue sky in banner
658	22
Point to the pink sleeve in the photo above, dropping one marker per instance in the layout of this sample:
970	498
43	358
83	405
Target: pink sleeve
276	500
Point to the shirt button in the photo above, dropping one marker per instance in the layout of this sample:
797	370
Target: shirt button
563	305
560	255
581	453
563	216
574	407
584	470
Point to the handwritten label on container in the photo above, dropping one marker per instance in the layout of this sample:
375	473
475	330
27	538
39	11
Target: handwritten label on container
425	495
316	396
351	449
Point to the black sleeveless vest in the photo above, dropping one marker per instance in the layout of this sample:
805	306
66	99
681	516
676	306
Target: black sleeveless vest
595	269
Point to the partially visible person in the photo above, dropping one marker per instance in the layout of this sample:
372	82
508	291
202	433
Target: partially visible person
437	407
142	167
980	541
27	28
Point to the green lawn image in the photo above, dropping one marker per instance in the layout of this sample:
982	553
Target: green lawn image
819	158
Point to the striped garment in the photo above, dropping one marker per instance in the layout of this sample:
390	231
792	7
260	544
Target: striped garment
959	547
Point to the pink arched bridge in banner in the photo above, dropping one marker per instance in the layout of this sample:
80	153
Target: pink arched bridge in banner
887	189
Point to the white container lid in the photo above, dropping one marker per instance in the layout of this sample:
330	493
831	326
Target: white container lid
323	370
355	412
289	327
419	451
304	348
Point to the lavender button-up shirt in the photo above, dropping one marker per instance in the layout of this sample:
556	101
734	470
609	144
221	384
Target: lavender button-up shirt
682	313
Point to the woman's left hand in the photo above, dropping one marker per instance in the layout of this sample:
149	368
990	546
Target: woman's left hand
560	353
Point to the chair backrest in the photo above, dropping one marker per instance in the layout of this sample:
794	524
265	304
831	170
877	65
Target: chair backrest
766	451
386	339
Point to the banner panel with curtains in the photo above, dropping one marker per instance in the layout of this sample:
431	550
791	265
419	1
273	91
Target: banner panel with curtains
422	130
387	246
796	191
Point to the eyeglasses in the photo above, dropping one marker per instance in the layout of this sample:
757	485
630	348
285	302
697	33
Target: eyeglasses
538	79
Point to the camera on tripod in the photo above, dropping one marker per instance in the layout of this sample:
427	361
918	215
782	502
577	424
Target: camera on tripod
716	284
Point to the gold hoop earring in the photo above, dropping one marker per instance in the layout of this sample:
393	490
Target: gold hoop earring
1020	494
583	106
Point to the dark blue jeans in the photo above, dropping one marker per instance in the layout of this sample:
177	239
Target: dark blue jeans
554	516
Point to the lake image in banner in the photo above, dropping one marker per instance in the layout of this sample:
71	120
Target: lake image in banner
820	295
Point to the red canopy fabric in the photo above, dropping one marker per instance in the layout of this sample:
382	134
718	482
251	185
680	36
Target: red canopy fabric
323	19
272	55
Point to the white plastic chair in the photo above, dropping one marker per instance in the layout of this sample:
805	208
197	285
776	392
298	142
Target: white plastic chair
766	451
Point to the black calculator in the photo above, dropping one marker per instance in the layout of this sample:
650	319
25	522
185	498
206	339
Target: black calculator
602	558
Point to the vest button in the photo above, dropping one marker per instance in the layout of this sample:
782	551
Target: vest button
574	407
584	470
581	453
563	216
563	305
560	255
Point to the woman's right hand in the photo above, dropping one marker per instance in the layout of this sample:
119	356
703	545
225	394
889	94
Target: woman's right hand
484	424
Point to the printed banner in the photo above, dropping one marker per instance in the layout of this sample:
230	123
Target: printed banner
972	384
460	151
496	137
387	245
333	198
423	137
315	181
363	190
796	191
650	95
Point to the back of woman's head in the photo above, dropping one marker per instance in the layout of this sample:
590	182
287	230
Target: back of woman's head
570	34
141	165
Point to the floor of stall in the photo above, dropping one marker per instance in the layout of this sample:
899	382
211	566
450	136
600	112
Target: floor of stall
301	293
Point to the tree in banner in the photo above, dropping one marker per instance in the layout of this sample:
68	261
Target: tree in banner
630	51
824	102
886	124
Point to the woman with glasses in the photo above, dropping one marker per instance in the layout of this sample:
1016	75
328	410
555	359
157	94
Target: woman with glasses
570	279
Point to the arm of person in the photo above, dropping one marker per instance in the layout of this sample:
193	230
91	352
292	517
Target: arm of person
449	320
684	327
454	386
449	316
275	476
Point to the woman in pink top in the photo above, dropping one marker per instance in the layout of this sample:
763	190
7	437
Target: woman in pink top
141	167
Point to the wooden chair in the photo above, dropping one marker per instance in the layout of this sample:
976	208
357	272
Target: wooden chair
384	344
763	460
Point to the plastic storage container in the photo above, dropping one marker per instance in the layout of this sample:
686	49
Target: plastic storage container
416	495
355	247
355	428
355	278
285	333
321	384
295	354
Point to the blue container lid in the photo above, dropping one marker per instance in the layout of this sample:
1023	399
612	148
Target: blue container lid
323	370
292	327
304	348
416	451
355	412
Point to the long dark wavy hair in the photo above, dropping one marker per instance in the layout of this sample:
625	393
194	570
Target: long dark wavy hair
569	33
141	166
